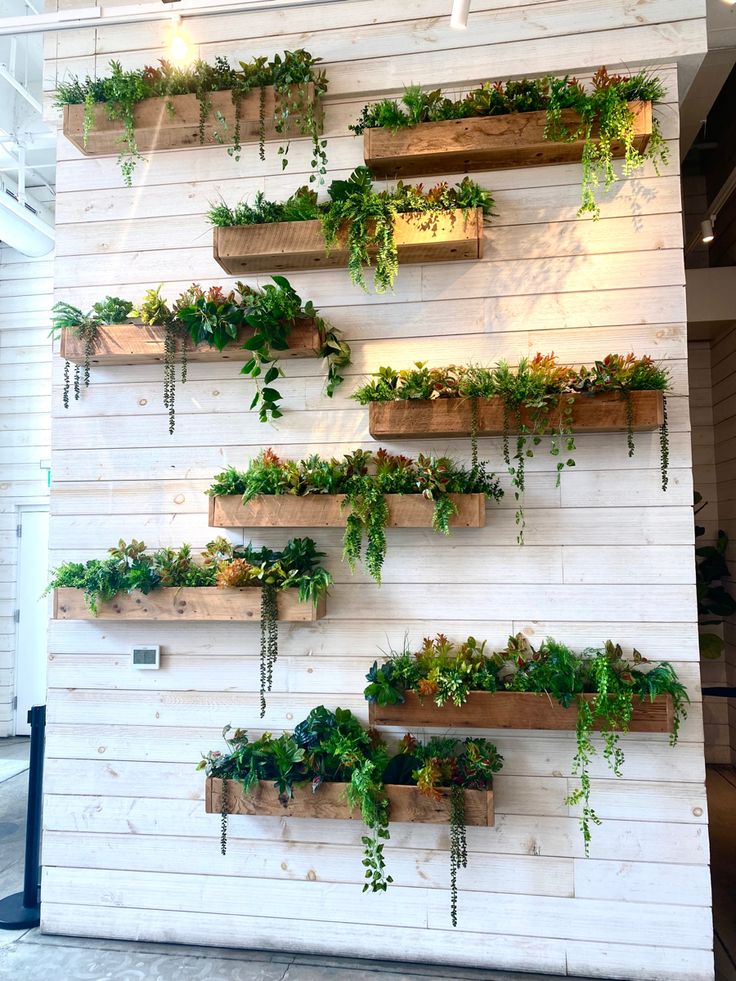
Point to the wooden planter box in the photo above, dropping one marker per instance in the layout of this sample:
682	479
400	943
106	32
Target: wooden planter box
157	128
139	344
439	236
326	511
329	801
427	418
186	603
510	710
482	143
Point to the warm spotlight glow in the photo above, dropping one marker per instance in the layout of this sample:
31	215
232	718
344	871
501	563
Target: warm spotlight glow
181	49
459	15
706	228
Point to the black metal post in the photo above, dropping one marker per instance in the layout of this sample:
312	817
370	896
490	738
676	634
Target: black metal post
21	910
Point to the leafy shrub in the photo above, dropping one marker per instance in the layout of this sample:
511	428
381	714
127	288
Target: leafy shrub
222	564
364	215
364	478
290	75
447	672
536	398
333	747
604	117
214	317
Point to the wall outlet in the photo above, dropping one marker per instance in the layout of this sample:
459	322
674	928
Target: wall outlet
146	658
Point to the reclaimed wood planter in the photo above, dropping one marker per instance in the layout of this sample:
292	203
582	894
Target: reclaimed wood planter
158	127
326	511
425	418
186	603
483	143
511	710
439	236
140	344
407	803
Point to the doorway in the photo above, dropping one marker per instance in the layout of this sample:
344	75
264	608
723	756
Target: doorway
32	615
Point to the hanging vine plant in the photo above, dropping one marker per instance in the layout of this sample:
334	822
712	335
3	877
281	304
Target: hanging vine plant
537	401
333	747
442	671
365	216
216	318
299	87
604	118
364	479
132	567
111	310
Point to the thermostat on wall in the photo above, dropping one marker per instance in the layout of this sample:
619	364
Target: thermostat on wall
145	658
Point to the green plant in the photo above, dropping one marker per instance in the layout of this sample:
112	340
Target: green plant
222	564
364	478
363	215
214	317
714	600
299	88
446	671
333	747
111	310
604	117
536	397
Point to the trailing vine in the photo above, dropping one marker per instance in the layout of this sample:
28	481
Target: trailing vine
458	844
333	747
223	817
537	400
600	682
298	84
364	478
360	215
85	326
664	446
269	639
603	118
270	314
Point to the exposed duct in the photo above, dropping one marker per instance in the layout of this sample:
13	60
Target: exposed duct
21	226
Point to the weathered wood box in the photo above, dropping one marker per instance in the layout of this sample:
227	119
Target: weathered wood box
482	143
329	802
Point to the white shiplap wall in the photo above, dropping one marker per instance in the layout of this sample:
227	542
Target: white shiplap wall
128	851
26	295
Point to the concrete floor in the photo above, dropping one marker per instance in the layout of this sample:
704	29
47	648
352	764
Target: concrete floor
33	956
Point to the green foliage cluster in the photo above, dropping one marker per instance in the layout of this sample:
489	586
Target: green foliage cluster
222	564
603	117
132	566
364	478
447	672
215	317
111	310
363	215
536	398
715	603
333	747
291	75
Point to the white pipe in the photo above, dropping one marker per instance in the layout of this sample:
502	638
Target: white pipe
459	15
21	89
73	20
